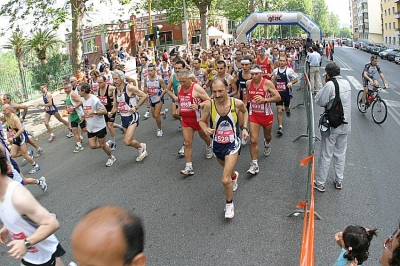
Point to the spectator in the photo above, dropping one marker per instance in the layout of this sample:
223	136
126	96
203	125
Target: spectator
391	250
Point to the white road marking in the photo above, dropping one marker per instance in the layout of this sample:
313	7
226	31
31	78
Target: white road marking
356	84
394	114
392	103
347	67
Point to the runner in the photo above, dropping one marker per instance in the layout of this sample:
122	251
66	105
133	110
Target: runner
192	98
284	78
143	73
265	62
261	93
242	77
74	105
18	138
128	106
50	110
154	86
96	126
200	74
224	129
221	73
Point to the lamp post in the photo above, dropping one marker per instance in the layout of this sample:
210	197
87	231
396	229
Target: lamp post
186	26
151	32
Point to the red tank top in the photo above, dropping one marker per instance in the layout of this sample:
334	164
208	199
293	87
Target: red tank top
185	102
259	109
265	67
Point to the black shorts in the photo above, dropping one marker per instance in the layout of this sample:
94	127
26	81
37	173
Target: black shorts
222	150
285	100
57	254
154	104
109	119
21	139
100	134
82	124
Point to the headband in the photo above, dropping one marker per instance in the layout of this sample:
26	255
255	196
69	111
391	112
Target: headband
245	61
255	70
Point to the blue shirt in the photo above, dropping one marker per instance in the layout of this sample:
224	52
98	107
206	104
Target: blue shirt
340	260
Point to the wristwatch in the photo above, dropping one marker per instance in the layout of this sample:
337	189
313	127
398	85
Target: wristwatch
246	129
95	112
27	244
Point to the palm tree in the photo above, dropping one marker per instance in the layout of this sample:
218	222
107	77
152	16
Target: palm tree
19	43
42	41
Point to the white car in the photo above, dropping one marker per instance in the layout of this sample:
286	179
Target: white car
397	59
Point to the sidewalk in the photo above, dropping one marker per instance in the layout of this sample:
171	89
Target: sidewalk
35	117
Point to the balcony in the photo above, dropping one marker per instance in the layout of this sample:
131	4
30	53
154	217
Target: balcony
398	31
395	1
397	14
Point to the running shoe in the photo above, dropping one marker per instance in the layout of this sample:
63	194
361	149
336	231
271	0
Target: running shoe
52	138
30	153
338	184
235	182
146	115
70	134
111	160
267	149
78	149
142	153
34	169
42	183
165	113
72	264
39	152
181	152
229	211
188	170
113	146
159	133
209	152
288	114
254	169
180	127
280	131
81	137
54	215
320	188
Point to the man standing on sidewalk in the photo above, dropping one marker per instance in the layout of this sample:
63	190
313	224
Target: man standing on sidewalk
314	60
50	109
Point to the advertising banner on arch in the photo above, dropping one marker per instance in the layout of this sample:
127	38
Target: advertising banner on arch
276	18
307	24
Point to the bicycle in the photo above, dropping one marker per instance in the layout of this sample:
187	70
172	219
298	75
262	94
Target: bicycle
378	105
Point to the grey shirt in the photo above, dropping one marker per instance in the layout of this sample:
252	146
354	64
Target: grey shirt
326	95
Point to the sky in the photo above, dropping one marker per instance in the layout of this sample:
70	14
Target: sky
340	8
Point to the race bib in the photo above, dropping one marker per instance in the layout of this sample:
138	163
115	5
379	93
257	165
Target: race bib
11	132
224	136
70	109
281	86
123	107
103	100
257	107
185	106
88	108
153	90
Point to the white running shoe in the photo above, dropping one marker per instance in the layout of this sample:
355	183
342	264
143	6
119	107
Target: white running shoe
235	182
39	152
229	211
111	160
188	170
146	115
78	149
244	141
267	150
70	134
81	137
181	152
254	169
142	153
34	169
209	152
159	133
165	113
42	183
52	138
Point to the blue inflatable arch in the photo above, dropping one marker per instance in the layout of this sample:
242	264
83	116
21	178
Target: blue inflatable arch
278	18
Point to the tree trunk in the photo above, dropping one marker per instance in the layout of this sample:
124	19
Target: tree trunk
21	74
78	9
203	9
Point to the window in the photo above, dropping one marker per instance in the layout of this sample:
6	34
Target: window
385	13
394	25
385	26
89	46
166	36
390	40
392	10
394	41
386	40
390	26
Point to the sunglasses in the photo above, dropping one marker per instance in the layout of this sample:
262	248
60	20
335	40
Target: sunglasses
389	240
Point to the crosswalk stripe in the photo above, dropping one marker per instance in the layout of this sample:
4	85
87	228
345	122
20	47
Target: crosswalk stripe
356	84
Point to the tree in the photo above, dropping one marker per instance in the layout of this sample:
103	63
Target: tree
18	43
345	32
41	42
320	15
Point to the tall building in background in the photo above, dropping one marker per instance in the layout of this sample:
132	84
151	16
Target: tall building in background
369	21
353	19
391	22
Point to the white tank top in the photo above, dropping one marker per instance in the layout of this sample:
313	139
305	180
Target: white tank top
21	228
153	88
125	103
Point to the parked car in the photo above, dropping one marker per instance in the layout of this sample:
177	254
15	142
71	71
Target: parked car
363	47
392	55
357	45
369	48
384	53
377	49
397	58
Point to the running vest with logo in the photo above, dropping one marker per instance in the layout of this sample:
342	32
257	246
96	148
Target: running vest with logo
125	103
186	100
165	74
95	88
106	99
20	227
74	114
225	125
153	89
241	83
200	77
259	109
281	82
46	101
265	67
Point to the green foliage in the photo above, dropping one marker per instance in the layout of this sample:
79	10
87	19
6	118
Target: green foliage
345	32
42	41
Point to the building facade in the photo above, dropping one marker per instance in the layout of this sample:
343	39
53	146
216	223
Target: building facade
369	21
391	20
353	20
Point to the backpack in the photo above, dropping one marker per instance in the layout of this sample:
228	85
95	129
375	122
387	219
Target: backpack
335	114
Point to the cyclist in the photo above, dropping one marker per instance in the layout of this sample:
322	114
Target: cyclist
370	70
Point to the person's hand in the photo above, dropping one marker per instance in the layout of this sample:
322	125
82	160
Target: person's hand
18	249
209	131
3	235
245	134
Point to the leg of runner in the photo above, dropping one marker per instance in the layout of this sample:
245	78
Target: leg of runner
207	140
188	134
62	120
280	119
267	139
227	175
129	140
47	117
155	112
24	152
254	131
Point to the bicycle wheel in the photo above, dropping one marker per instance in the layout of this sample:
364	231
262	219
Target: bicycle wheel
379	111
359	99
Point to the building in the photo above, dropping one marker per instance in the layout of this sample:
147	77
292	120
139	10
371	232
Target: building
130	35
353	19
391	22
369	21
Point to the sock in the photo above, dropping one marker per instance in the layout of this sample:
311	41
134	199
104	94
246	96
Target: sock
255	162
34	163
113	140
52	134
78	144
39	182
70	129
148	109
189	164
266	144
229	201
281	126
234	177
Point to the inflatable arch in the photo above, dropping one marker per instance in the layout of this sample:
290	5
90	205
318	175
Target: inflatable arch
278	18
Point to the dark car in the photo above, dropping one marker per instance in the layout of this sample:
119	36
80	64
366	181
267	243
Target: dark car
377	49
364	46
357	45
369	48
384	53
391	56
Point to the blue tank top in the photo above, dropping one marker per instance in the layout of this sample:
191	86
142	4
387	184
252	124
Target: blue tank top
46	101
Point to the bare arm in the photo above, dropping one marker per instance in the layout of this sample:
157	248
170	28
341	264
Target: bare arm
49	100
232	82
19	107
77	99
270	87
204	116
199	92
143	96
242	108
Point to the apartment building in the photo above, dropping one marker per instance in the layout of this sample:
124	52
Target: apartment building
367	14
391	22
353	18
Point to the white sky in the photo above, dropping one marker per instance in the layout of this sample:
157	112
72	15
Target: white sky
340	8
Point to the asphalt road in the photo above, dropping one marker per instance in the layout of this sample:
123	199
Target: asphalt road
184	217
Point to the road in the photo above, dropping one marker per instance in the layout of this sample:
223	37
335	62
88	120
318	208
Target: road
183	216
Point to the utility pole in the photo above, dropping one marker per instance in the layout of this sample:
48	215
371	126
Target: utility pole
186	26
151	32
